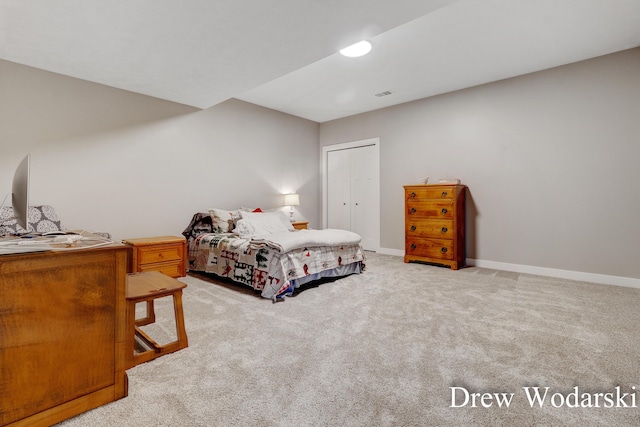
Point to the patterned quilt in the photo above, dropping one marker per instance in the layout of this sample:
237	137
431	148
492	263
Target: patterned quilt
264	267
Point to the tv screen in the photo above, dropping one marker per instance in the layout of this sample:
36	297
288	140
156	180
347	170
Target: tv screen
20	193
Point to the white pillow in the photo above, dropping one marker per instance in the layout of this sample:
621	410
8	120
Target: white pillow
255	223
243	229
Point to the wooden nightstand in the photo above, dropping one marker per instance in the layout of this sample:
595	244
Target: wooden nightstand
302	225
167	254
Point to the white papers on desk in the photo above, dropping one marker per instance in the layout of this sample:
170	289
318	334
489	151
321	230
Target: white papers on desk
83	240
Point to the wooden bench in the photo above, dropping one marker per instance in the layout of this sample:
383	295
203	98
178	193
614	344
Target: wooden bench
147	287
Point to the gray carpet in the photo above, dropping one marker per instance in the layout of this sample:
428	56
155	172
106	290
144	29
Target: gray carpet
385	347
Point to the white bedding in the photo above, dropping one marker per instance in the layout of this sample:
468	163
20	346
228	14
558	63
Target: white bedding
288	241
271	259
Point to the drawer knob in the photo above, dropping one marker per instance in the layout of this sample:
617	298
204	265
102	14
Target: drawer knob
413	246
443	250
444	229
412	211
413	228
413	194
444	211
444	194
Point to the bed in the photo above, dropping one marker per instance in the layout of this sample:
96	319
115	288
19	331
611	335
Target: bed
263	251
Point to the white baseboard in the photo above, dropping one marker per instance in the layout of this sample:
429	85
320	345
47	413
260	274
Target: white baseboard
603	279
395	252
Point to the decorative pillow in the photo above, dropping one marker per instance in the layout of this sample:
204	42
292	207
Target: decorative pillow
41	220
254	223
249	209
223	220
200	223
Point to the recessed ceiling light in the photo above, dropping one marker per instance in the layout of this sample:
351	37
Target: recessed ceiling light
358	49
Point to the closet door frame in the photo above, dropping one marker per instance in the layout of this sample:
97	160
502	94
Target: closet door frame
375	215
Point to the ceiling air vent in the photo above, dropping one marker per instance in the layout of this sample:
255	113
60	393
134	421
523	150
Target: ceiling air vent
385	93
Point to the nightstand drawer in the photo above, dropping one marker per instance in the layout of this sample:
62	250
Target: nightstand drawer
159	254
170	269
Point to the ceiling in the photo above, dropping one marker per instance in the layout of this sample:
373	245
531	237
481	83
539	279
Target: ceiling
282	54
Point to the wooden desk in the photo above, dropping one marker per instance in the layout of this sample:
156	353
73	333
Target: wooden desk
62	333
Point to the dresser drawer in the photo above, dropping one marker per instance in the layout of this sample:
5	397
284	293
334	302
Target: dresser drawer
439	229
430	248
444	209
431	193
159	254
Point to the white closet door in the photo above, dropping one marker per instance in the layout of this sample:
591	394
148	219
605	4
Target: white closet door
339	190
353	199
363	194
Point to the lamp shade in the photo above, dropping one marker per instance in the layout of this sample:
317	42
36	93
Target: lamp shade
292	199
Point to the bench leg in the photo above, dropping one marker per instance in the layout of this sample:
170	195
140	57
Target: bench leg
155	349
181	332
150	316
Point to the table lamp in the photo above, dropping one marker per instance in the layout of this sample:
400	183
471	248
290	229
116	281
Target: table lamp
291	200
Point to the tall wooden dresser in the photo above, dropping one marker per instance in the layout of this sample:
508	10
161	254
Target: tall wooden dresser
434	224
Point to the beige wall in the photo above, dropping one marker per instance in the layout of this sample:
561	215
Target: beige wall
137	166
550	158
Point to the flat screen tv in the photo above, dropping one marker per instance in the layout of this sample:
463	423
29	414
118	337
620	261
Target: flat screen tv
20	193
